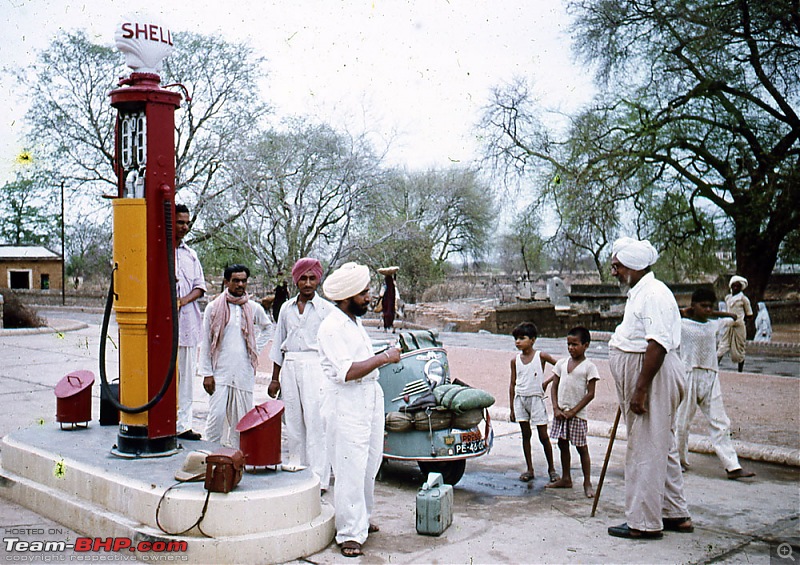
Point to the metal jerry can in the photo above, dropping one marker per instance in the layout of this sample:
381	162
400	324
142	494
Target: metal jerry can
434	506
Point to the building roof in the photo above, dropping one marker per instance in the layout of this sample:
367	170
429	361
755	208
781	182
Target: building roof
26	252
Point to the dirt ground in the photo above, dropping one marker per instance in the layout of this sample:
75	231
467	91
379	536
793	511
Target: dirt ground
762	408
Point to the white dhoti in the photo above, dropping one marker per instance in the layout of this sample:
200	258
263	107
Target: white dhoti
359	451
653	480
302	383
187	368
704	391
734	339
226	407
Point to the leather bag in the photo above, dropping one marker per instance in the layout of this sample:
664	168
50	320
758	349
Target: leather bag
224	469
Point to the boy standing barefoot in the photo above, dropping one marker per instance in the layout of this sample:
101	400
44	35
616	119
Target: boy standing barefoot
574	381
526	394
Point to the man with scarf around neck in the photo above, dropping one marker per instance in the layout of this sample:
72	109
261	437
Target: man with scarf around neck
648	372
348	361
235	330
297	371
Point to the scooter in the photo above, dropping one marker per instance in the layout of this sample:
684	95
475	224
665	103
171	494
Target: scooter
417	427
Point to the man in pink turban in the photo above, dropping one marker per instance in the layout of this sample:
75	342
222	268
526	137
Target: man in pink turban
297	372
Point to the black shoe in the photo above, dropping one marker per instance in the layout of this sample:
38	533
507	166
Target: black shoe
623	531
190	435
683	525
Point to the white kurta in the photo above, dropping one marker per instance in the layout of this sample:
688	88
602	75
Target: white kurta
234	376
734	335
653	479
359	424
304	388
189	276
698	352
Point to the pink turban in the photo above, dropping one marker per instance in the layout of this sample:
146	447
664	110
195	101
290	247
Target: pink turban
305	265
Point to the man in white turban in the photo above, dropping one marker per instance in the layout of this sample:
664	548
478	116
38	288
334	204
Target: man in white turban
348	361
648	373
734	334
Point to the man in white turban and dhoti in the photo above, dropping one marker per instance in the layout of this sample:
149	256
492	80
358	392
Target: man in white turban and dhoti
734	333
348	361
649	377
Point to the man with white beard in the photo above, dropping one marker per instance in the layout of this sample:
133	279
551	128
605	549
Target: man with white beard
648	373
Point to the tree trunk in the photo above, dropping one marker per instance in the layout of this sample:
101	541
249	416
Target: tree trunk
756	255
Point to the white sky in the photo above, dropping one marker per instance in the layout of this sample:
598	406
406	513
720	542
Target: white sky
417	71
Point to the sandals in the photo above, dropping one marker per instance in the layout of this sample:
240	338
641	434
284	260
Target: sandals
554	476
373	528
526	477
351	548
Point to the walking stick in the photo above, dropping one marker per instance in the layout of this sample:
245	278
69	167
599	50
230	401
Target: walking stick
605	463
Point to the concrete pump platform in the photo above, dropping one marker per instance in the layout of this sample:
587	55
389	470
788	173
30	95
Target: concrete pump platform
71	477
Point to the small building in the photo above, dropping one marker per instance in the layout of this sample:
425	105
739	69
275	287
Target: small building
29	267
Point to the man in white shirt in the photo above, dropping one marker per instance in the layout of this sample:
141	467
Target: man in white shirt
235	330
297	371
649	377
348	361
191	286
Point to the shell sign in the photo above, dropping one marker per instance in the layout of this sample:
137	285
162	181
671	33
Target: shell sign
145	43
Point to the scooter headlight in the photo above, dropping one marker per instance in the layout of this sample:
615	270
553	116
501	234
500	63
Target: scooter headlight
434	372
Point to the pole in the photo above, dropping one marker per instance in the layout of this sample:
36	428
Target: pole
605	463
63	256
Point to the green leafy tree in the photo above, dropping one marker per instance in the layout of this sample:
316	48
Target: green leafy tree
698	99
71	122
419	220
300	190
711	109
88	247
28	213
523	249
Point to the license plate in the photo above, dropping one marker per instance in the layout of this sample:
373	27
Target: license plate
470	447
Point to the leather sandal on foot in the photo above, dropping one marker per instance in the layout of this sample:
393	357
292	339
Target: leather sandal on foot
373	528
351	548
623	531
554	476
682	525
526	477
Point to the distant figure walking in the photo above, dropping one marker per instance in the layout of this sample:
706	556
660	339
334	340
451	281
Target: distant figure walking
389	297
734	335
281	296
763	325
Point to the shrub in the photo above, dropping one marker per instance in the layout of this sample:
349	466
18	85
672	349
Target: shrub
18	315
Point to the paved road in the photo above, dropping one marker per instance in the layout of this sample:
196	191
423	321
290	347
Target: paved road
756	363
498	519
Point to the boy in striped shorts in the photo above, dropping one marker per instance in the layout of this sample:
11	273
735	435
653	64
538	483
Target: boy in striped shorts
574	380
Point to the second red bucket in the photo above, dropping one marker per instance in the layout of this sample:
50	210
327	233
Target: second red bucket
260	434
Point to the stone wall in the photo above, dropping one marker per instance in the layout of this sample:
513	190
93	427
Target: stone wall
549	322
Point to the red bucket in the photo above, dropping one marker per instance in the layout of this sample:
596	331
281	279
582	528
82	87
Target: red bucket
74	397
260	434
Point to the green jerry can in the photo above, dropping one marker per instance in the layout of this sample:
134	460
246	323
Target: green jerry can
434	506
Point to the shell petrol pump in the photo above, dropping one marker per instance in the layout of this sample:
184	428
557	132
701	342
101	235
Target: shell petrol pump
142	291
